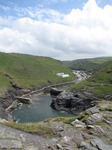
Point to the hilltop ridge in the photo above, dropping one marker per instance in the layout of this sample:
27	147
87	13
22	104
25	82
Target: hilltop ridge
27	71
91	65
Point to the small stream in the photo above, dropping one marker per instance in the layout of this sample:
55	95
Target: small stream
39	110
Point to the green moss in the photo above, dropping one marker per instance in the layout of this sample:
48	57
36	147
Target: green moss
83	117
32	128
109	108
105	105
70	120
48	120
102	124
66	120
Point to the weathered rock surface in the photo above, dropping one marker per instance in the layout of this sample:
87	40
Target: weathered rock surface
7	99
100	144
68	136
78	123
73	102
10	144
92	110
55	92
97	117
24	100
86	146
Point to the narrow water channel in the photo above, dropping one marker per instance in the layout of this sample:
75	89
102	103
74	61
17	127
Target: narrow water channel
39	110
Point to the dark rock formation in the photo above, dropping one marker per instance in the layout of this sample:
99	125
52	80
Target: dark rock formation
75	102
7	99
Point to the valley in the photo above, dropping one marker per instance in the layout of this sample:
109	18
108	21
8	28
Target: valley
89	100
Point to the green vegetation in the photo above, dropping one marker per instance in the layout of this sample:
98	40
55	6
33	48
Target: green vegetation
67	120
100	83
36	128
28	71
105	105
83	117
93	64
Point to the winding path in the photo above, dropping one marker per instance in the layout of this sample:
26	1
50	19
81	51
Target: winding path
81	75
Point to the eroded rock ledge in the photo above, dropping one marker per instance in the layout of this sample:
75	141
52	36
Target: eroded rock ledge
73	102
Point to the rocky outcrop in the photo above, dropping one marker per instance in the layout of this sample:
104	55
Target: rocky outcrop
55	92
74	102
7	99
76	134
24	100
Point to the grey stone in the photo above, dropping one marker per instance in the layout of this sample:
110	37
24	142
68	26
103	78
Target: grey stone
96	128
100	144
86	146
78	123
57	126
93	110
2	120
31	148
73	102
95	118
10	135
10	144
59	146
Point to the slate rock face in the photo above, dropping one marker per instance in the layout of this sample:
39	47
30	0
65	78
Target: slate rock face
10	144
100	144
97	117
73	102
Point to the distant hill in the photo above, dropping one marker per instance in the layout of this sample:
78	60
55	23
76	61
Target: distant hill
93	64
28	71
100	83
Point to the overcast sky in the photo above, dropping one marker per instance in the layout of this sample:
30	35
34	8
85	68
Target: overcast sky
62	29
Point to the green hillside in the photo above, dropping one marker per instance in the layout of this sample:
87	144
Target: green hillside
100	83
93	64
28	71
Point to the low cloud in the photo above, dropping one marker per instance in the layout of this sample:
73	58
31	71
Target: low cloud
79	34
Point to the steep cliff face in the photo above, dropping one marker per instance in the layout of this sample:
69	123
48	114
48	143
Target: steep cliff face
7	99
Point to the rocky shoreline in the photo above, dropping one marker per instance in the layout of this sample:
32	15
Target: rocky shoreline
74	102
9	101
10	97
90	130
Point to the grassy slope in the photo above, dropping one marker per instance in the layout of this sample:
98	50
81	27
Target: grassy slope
88	64
100	83
29	71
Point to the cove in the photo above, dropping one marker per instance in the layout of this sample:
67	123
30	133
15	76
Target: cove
39	110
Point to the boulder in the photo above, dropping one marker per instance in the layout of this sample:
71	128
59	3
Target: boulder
10	144
24	100
72	102
92	110
78	123
55	92
86	146
97	117
57	126
3	114
100	144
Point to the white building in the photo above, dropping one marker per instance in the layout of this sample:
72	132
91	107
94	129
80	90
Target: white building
62	75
